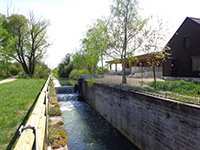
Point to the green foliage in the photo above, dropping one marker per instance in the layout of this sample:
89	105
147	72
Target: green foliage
126	31
55	73
93	49
76	74
23	40
65	67
41	71
8	68
180	87
91	82
132	60
99	70
15	105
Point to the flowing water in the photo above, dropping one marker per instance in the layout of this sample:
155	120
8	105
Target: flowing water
86	129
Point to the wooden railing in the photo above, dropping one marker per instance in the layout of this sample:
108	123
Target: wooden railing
34	134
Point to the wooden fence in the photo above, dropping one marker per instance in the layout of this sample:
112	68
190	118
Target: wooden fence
37	124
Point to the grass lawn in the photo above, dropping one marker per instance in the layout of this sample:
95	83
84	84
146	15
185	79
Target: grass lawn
16	98
179	87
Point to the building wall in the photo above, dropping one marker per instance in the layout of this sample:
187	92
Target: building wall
151	123
182	54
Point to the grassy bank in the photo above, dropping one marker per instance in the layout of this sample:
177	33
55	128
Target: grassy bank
16	99
179	87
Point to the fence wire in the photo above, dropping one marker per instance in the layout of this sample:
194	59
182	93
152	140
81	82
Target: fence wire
184	91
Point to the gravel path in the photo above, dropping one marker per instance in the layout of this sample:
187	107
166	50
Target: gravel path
10	79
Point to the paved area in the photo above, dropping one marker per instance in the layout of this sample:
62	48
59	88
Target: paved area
130	81
10	79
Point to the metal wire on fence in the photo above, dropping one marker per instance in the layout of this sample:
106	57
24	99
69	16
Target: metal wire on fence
184	91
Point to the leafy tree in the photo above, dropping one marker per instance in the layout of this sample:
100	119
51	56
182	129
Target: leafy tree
154	46
93	49
38	40
65	67
99	39
5	41
41	70
76	74
17	50
29	40
88	57
126	31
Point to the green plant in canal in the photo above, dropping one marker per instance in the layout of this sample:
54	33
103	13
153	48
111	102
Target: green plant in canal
91	82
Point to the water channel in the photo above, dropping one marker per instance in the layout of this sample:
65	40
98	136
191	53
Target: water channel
86	129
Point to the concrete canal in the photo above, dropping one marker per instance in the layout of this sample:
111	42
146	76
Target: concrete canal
85	128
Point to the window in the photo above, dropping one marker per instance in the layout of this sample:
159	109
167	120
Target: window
187	42
195	63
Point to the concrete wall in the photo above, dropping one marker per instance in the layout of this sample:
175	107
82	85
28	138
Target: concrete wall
152	123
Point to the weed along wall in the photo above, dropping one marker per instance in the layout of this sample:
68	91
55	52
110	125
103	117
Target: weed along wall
149	122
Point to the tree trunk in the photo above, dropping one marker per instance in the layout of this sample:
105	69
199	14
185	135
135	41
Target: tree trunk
102	64
124	49
154	76
25	67
124	81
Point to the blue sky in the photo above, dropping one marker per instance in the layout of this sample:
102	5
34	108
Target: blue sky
69	18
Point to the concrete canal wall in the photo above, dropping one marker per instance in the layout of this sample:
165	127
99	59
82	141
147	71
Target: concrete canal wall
151	123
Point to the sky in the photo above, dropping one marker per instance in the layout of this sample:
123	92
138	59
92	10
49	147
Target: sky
69	18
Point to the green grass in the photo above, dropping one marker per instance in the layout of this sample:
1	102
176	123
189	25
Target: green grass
181	91
16	98
179	87
67	82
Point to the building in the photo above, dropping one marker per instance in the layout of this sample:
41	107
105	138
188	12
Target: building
134	69
185	51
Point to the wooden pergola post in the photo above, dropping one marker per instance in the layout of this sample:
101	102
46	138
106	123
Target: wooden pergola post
115	67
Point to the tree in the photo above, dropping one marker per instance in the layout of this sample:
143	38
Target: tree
154	46
93	48
99	39
65	67
38	40
17	50
5	41
125	30
89	55
30	40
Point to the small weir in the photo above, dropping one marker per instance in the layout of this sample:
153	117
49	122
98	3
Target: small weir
86	129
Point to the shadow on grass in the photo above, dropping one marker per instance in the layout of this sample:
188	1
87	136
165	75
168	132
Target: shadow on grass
14	138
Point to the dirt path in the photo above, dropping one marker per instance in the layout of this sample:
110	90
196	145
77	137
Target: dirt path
10	79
